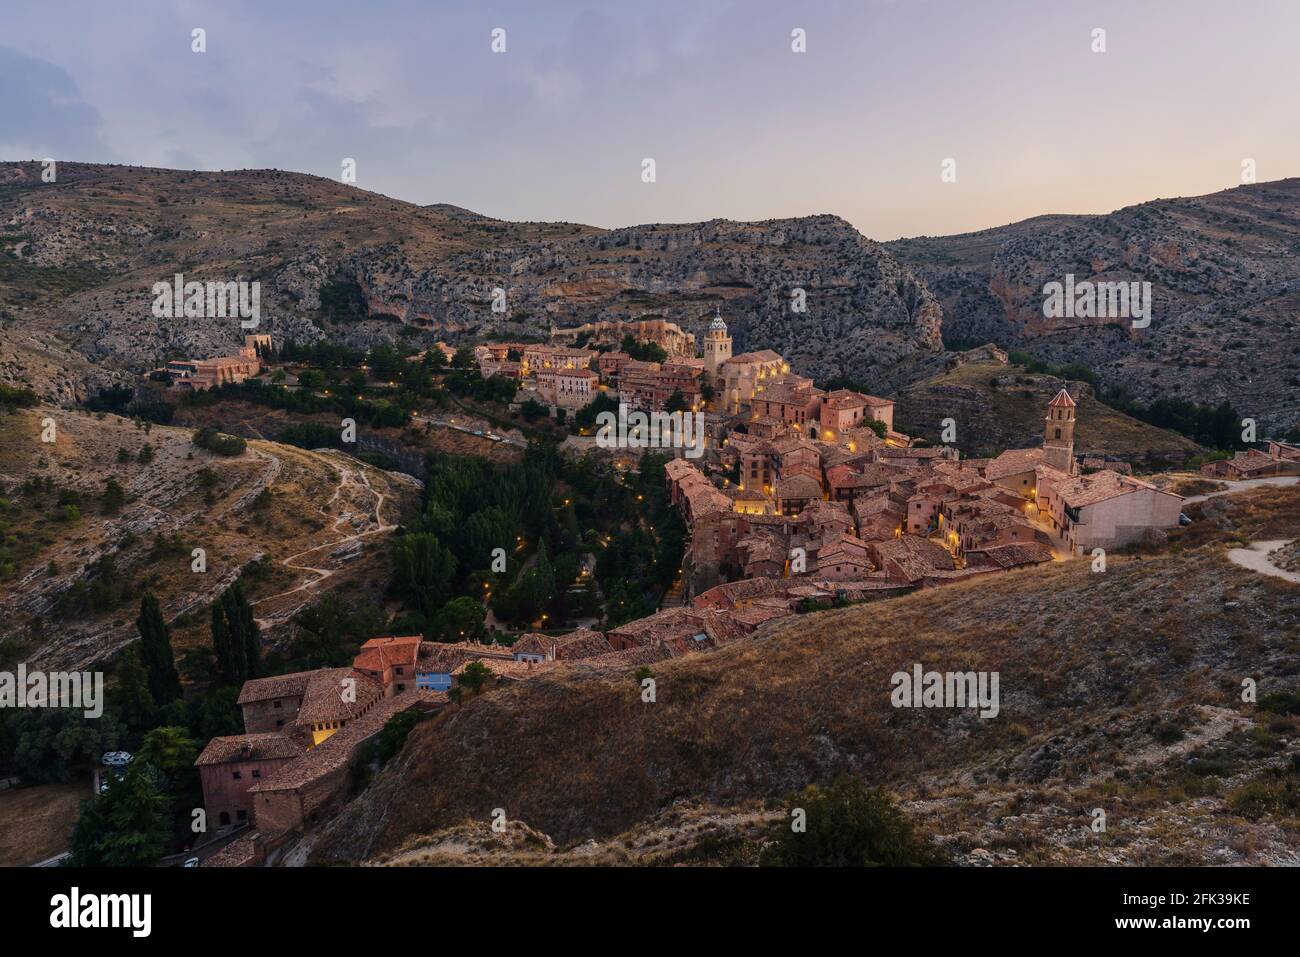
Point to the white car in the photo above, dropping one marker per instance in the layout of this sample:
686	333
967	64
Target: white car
117	759
191	862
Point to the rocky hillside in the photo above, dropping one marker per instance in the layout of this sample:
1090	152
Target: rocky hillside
78	259
1119	690
295	522
1225	276
997	406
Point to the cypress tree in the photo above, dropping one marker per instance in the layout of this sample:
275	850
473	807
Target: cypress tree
156	650
250	635
230	656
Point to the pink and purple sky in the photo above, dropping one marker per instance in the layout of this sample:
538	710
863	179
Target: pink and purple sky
740	126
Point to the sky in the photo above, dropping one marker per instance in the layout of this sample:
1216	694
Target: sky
738	124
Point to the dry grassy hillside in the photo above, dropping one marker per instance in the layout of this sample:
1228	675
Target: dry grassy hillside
1114	686
997	407
309	520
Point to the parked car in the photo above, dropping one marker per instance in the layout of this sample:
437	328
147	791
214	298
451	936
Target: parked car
117	759
191	862
1183	519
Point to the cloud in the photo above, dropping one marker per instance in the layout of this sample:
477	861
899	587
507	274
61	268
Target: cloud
42	112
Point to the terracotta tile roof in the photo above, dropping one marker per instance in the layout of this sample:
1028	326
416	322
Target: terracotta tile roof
443	658
241	852
336	751
762	548
662	625
1013	555
785	444
1013	462
583	643
1063	399
762	355
704	499
754	615
744	589
798	486
379	654
509	667
292	685
1086	490
323	699
629	657
249	747
678	469
912	556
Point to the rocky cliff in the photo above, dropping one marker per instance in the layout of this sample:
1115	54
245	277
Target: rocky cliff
79	257
1224	271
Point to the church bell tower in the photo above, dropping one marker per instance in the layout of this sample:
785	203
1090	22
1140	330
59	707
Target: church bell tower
1058	438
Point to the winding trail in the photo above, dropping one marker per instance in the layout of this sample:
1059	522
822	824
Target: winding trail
348	479
1256	558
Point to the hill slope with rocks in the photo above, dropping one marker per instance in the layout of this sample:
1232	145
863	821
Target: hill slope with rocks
1225	283
1120	690
996	406
78	259
295	523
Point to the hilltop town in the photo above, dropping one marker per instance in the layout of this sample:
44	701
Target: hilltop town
804	499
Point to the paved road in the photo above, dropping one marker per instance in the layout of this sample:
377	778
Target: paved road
1256	559
1243	485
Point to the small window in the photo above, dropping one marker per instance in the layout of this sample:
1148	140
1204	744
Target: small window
257	772
238	775
277	703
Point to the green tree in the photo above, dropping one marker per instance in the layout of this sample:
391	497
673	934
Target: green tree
474	677
848	825
422	571
56	744
329	633
171	751
113	497
461	619
311	379
230	658
156	650
131	695
128	826
236	638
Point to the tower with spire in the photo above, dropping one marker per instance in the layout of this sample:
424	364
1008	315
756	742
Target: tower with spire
1058	438
717	348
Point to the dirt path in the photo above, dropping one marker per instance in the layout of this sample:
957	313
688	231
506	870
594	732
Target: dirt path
349	478
1256	559
1242	486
